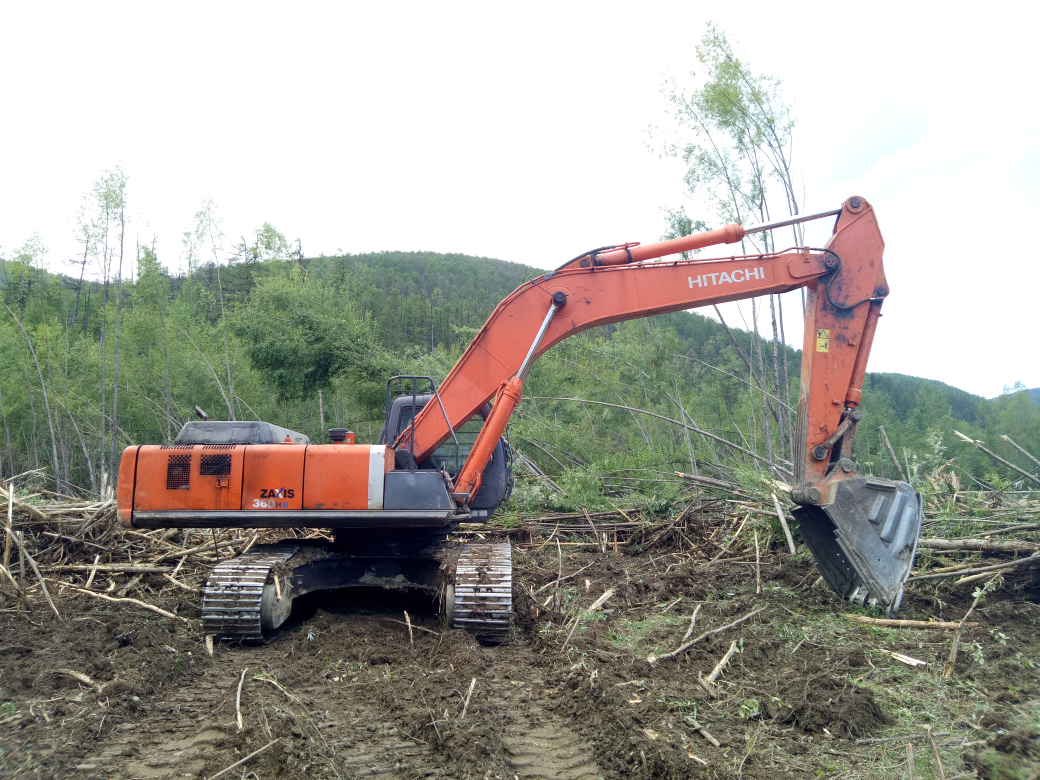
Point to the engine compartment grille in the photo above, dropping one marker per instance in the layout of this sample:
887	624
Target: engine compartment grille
214	465
178	472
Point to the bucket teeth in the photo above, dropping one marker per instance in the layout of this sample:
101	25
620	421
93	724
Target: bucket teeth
484	591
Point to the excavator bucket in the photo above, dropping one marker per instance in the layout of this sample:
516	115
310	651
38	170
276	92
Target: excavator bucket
864	541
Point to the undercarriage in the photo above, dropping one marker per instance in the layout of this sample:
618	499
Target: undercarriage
250	596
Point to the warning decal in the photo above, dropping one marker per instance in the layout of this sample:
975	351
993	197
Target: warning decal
823	339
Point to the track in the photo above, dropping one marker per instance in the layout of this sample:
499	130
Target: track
484	591
482	599
234	589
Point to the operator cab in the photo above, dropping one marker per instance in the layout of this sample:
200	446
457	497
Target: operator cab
497	479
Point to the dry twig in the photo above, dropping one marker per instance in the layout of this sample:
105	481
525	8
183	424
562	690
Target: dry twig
588	611
142	604
469	693
758	567
957	637
693	622
942	771
243	760
238	700
705	635
1034	558
721	665
36	570
783	524
944	625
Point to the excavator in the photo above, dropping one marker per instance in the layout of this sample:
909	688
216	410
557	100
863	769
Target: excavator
441	458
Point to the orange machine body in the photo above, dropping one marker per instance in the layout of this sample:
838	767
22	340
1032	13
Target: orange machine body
230	477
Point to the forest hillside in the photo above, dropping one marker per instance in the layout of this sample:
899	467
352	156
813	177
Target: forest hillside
93	366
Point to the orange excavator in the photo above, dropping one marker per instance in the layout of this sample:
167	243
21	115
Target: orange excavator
440	458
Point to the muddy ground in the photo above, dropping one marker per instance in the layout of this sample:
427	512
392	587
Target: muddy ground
342	692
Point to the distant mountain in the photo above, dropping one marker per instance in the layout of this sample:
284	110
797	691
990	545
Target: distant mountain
409	291
904	391
1034	393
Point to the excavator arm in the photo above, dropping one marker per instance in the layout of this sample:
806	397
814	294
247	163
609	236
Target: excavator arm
862	531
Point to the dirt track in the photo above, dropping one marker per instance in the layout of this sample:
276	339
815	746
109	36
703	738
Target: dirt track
345	694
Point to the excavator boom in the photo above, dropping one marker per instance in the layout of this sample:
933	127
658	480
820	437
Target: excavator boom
600	291
863	532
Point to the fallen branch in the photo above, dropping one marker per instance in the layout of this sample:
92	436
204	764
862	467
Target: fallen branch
1012	529
943	625
17	590
109	568
1012	443
469	693
726	546
177	552
247	758
974	578
180	584
957	637
79	676
784	525
909	738
958	567
729	487
238	700
28	509
758	567
1035	557
708	689
721	665
693	622
9	527
93	570
935	749
418	628
273	681
703	732
588	611
984	545
888	445
142	604
561	579
705	635
997	458
17	536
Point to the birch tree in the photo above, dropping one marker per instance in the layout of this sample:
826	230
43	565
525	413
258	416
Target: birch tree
735	137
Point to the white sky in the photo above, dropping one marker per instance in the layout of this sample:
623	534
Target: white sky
518	131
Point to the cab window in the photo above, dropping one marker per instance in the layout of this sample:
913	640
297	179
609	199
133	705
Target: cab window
444	456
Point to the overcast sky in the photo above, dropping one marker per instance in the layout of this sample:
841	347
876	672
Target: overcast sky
519	131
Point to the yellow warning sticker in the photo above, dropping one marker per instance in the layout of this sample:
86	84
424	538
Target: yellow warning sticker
823	339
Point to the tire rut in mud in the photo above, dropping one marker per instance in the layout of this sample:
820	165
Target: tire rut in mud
537	743
533	741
